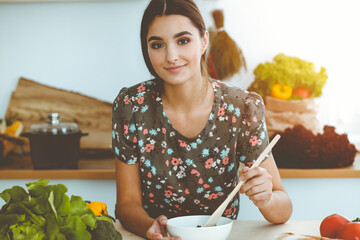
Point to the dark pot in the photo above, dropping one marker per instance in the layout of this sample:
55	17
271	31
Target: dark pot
55	145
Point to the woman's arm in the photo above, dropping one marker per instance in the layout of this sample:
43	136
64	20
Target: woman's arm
263	186
129	208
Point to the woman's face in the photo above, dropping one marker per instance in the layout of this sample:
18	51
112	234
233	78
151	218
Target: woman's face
175	48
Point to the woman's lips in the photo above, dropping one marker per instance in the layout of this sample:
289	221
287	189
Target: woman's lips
174	69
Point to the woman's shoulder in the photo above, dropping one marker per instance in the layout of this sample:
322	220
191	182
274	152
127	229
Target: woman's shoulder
136	99
236	95
138	90
137	94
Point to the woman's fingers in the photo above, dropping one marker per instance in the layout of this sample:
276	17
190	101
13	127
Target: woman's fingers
255	177
258	185
157	236
253	173
162	219
155	231
245	169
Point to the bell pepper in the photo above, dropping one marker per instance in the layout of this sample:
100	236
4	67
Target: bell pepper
98	208
282	92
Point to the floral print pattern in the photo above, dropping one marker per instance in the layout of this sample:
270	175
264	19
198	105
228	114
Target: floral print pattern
181	175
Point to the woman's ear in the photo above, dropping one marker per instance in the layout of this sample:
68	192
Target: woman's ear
205	41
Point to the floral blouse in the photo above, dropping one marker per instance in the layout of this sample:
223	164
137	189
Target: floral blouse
181	175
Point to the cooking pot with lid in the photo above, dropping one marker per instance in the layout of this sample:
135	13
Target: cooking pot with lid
54	144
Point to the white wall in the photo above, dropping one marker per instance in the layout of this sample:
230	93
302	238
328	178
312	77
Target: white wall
94	47
88	47
313	199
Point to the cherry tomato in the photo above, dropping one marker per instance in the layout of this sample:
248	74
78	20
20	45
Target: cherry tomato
302	92
351	231
332	224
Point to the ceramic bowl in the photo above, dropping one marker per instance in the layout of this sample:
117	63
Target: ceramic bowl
191	227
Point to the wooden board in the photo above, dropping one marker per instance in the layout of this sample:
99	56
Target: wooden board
31	102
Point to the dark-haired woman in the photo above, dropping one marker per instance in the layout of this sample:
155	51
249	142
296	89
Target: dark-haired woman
181	137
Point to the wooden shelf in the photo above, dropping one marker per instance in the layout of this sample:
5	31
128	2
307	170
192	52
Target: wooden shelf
58	174
21	167
348	172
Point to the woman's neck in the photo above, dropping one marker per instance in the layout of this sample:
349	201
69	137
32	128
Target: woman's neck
187	96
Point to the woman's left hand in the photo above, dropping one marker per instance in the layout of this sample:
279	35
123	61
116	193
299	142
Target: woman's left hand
258	185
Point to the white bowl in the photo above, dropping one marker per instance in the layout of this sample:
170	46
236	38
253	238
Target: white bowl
187	228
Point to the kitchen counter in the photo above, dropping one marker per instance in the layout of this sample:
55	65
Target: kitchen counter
99	165
252	230
102	166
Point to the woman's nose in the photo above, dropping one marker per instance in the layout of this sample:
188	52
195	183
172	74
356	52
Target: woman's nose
171	54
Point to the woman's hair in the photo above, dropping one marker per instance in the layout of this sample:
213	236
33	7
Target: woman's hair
156	8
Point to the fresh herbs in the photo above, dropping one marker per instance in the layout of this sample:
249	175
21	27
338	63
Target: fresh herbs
45	212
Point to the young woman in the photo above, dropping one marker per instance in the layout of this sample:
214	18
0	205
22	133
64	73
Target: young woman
182	137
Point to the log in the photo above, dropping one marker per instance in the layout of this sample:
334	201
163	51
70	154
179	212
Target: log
31	102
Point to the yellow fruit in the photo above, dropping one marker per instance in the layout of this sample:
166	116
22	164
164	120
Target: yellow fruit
15	129
283	92
99	208
2	125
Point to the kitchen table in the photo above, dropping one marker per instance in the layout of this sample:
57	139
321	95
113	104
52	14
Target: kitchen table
254	230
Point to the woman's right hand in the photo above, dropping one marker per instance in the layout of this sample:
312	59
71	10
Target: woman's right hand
158	230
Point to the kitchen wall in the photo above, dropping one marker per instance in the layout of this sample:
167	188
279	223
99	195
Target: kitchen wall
93	47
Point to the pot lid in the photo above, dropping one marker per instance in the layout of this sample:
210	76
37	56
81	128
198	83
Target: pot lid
54	126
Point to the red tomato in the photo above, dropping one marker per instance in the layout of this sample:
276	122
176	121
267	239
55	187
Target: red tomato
302	92
332	224
351	231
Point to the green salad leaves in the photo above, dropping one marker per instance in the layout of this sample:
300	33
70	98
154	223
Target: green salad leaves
45	212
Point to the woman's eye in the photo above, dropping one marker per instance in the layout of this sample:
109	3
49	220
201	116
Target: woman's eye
183	41
156	45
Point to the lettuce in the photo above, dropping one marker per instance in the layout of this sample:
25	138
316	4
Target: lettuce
44	212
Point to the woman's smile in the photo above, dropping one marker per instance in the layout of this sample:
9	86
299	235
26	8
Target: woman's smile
175	69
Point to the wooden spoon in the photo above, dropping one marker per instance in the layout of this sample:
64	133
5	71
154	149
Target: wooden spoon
219	211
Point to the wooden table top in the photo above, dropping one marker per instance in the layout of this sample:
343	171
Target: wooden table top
257	230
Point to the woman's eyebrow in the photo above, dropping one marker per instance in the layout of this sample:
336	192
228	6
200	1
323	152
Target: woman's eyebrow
175	36
182	33
154	38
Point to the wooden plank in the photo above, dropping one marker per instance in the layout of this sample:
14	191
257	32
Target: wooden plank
21	167
348	172
31	102
319	173
58	174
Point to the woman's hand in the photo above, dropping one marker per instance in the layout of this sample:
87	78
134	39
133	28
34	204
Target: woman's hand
258	185
158	230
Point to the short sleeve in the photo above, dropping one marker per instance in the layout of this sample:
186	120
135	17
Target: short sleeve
124	139
253	136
